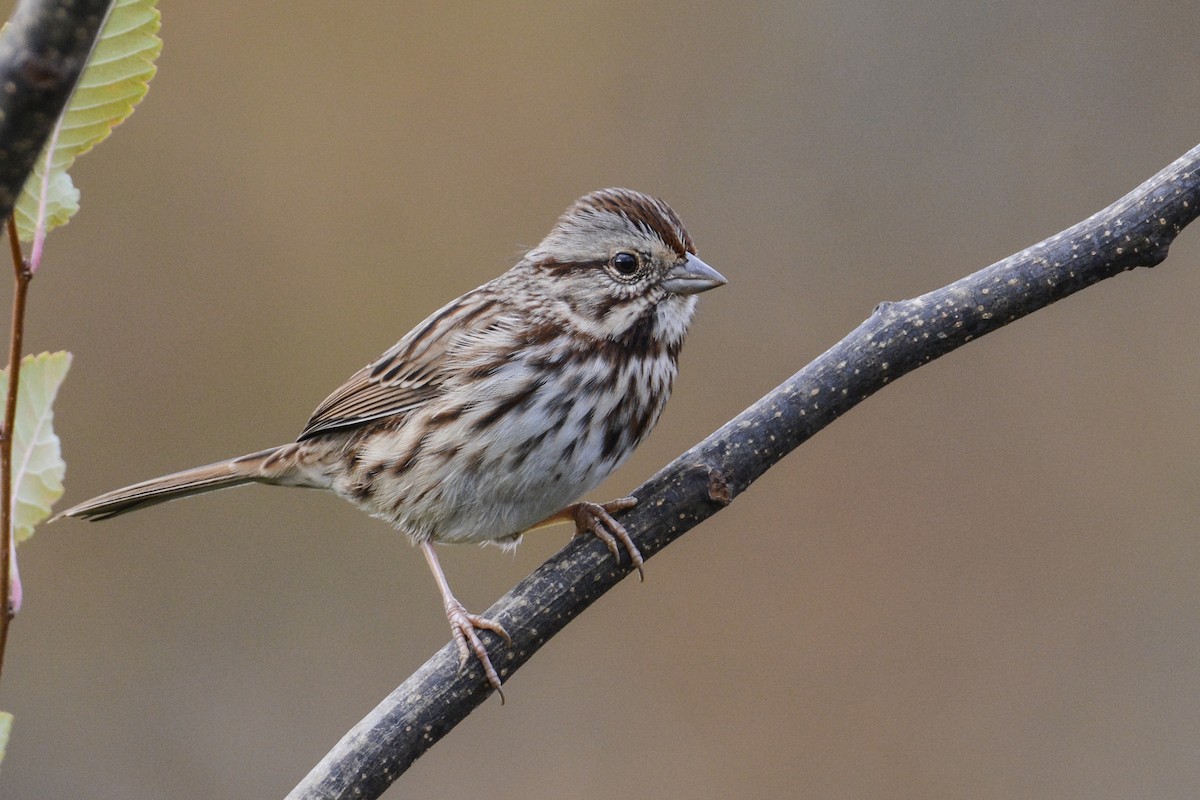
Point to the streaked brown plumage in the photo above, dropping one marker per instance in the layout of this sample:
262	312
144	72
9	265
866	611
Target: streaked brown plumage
497	412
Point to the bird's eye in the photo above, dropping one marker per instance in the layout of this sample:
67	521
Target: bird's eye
625	264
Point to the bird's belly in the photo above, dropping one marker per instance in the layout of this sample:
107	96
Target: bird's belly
469	481
517	494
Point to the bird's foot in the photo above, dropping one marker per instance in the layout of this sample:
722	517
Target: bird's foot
464	626
597	519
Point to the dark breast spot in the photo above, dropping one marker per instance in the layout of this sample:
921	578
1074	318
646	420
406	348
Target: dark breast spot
520	397
447	416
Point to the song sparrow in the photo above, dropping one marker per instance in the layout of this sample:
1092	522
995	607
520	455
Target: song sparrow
503	407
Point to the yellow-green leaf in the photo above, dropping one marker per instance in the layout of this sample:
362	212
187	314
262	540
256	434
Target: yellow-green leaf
38	467
116	77
6	721
62	201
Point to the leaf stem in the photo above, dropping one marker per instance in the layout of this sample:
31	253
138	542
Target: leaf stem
21	276
40	228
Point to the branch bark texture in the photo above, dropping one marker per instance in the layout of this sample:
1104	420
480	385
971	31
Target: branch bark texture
898	337
42	55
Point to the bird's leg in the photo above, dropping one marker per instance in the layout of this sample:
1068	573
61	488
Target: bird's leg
597	519
464	625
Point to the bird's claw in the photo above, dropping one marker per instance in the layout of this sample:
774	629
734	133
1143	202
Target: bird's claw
464	626
597	519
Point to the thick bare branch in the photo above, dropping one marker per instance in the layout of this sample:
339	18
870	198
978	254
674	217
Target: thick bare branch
41	57
1135	231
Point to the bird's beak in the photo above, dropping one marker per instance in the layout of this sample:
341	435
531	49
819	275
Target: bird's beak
692	276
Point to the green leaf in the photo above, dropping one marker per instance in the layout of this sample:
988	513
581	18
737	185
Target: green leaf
62	201
6	721
116	78
38	467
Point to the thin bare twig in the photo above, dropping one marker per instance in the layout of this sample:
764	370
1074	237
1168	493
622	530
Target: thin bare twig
896	339
21	276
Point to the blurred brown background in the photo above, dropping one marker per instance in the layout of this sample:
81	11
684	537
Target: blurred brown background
985	582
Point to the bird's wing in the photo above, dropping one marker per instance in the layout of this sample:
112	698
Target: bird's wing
414	370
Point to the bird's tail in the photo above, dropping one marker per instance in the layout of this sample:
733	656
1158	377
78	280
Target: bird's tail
267	466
